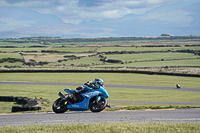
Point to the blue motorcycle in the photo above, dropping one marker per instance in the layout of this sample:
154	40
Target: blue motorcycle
89	99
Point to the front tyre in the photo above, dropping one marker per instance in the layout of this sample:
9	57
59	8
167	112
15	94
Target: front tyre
98	107
60	106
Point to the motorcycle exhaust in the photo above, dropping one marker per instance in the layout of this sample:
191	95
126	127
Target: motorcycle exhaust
64	97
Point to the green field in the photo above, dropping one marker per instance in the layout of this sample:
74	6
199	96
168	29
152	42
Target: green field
24	49
109	78
15	44
116	94
132	52
121	127
150	56
10	55
139	60
143	49
157	64
74	49
89	61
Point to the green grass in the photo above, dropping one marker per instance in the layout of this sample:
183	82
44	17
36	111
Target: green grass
150	56
141	49
21	49
189	62
116	94
73	49
102	49
130	60
175	59
130	94
12	64
122	127
153	107
10	55
109	78
81	62
15	44
5	107
31	91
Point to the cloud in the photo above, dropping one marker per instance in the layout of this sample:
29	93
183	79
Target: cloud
76	11
10	24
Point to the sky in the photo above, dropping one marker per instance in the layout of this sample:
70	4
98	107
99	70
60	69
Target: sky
76	11
23	15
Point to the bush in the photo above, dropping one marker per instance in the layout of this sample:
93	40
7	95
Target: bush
11	60
70	56
113	61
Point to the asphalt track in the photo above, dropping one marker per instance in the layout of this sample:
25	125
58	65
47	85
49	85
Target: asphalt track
118	86
142	116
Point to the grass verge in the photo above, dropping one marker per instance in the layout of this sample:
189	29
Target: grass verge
123	127
116	94
109	78
143	107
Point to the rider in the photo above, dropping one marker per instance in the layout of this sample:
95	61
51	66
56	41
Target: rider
94	85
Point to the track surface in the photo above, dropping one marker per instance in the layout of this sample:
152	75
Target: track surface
177	115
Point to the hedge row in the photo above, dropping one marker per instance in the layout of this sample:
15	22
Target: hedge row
136	52
11	60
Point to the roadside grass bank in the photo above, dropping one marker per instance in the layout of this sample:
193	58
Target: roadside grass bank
123	127
109	78
152	107
50	94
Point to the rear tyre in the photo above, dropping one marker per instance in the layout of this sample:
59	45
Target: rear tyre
60	106
98	107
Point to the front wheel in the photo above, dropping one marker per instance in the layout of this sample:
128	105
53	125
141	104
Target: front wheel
98	107
60	106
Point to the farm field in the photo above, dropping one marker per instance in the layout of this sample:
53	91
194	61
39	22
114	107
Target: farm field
142	49
180	54
74	49
23	49
10	55
151	56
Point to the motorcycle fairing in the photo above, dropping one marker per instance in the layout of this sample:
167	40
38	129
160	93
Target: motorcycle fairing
68	90
84	105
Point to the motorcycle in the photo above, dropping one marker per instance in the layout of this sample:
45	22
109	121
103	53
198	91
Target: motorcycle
89	99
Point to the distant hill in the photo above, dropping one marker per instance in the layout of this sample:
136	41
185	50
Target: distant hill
185	21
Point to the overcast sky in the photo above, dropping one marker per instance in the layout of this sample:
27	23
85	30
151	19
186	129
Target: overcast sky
96	18
75	11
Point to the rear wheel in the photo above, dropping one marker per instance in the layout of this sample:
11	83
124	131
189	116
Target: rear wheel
99	106
60	106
